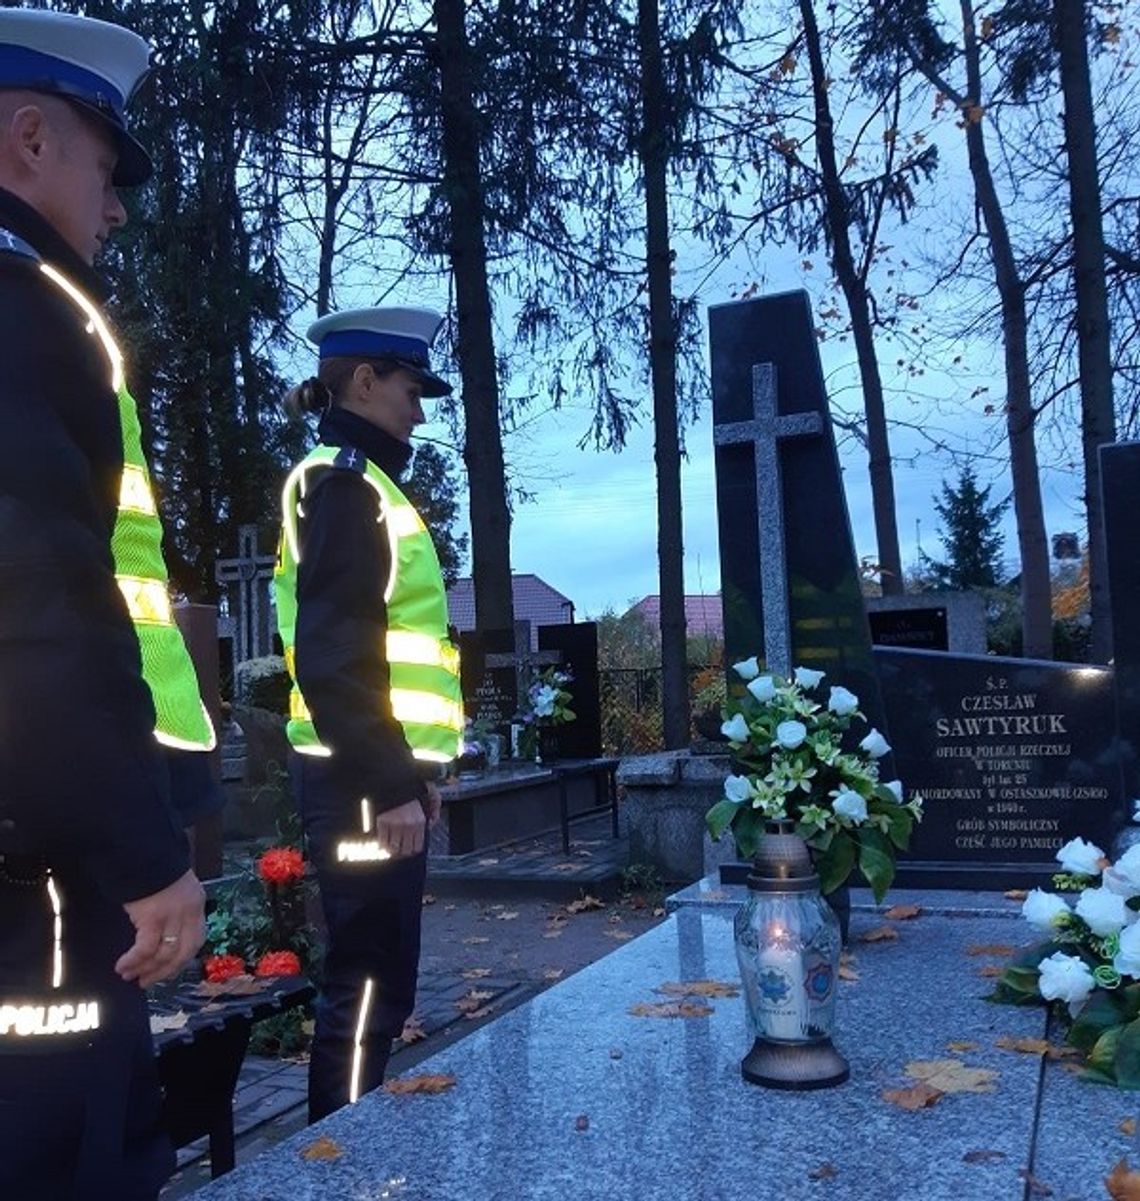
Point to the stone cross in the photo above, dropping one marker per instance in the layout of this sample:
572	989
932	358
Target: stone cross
765	431
526	662
249	576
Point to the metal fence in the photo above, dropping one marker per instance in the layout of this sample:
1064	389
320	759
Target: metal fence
631	708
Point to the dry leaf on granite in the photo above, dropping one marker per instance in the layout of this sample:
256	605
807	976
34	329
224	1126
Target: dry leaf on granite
902	913
990	971
984	1157
918	1096
235	986
428	899
554	973
322	1148
959	1046
474	940
1127	1126
700	988
952	1076
473	1014
847	972
473	999
475	973
507	917
1035	1046
991	948
555	933
567	867
585	903
407	1085
825	1171
487	862
619	935
1016	894
412	1032
1123	1184
670	1009
161	1022
881	934
659	911
582	1122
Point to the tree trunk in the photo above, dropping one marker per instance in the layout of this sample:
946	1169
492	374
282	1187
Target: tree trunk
654	151
854	287
1036	599
483	445
1098	420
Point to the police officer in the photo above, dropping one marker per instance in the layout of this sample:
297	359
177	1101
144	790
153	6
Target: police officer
96	895
376	708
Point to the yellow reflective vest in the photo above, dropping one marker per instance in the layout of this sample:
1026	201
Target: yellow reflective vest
182	720
424	665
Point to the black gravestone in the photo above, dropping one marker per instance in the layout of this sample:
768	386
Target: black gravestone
1013	758
783	524
577	645
490	694
922	629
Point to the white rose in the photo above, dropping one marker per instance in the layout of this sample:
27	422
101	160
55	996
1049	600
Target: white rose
738	789
544	699
875	745
1124	875
1065	978
790	734
1103	910
735	729
1127	961
850	805
747	669
1080	858
763	688
1041	909
807	678
842	702
895	786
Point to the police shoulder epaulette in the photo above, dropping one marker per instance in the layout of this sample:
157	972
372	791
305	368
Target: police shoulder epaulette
350	459
11	243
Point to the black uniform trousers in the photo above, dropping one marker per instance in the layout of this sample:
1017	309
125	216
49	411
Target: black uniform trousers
372	913
79	1113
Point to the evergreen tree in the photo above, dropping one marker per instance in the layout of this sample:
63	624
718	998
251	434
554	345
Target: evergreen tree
433	488
971	536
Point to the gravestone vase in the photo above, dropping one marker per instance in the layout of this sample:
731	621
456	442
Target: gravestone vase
546	745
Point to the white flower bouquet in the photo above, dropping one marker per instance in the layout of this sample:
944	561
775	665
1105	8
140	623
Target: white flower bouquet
1090	962
791	762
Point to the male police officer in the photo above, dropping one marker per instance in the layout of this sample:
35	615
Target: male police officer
90	845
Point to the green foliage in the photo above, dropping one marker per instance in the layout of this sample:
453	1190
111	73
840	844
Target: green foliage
641	877
971	535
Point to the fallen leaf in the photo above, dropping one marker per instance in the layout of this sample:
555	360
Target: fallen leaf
487	862
585	903
620	935
882	934
554	973
960	1047
991	948
1037	1188
615	919
825	1171
918	1096
582	1122
1027	1046
428	899
990	971
474	940
448	908
476	973
552	933
847	972
659	911
236	986
984	1157
412	1032
473	999
420	1084
902	913
507	917
472	1014
670	1009
1123	1184
700	988
1128	1126
952	1076
1016	894
322	1148
161	1022
567	867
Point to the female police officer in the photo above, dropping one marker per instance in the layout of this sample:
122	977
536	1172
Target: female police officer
376	707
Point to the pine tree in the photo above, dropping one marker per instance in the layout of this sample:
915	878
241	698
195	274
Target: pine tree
971	536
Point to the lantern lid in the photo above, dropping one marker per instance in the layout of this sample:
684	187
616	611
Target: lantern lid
782	862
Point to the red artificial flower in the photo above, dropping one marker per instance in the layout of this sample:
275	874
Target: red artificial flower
281	865
223	967
278	963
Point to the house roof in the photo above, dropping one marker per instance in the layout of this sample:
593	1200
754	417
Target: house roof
534	601
704	616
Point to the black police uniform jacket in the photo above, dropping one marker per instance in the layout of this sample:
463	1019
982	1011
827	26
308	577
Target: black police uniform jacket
82	778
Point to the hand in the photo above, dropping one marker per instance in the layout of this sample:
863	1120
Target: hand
432	804
401	830
170	926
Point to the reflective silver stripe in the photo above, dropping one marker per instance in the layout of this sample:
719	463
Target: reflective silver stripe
358	1045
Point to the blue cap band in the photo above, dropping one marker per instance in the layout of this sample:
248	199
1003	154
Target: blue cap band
365	343
39	72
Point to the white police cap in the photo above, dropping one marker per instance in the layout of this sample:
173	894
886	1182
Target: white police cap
403	335
93	64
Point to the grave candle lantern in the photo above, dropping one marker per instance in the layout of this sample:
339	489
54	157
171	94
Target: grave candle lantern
788	946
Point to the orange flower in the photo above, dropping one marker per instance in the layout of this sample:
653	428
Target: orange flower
222	967
281	865
278	963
